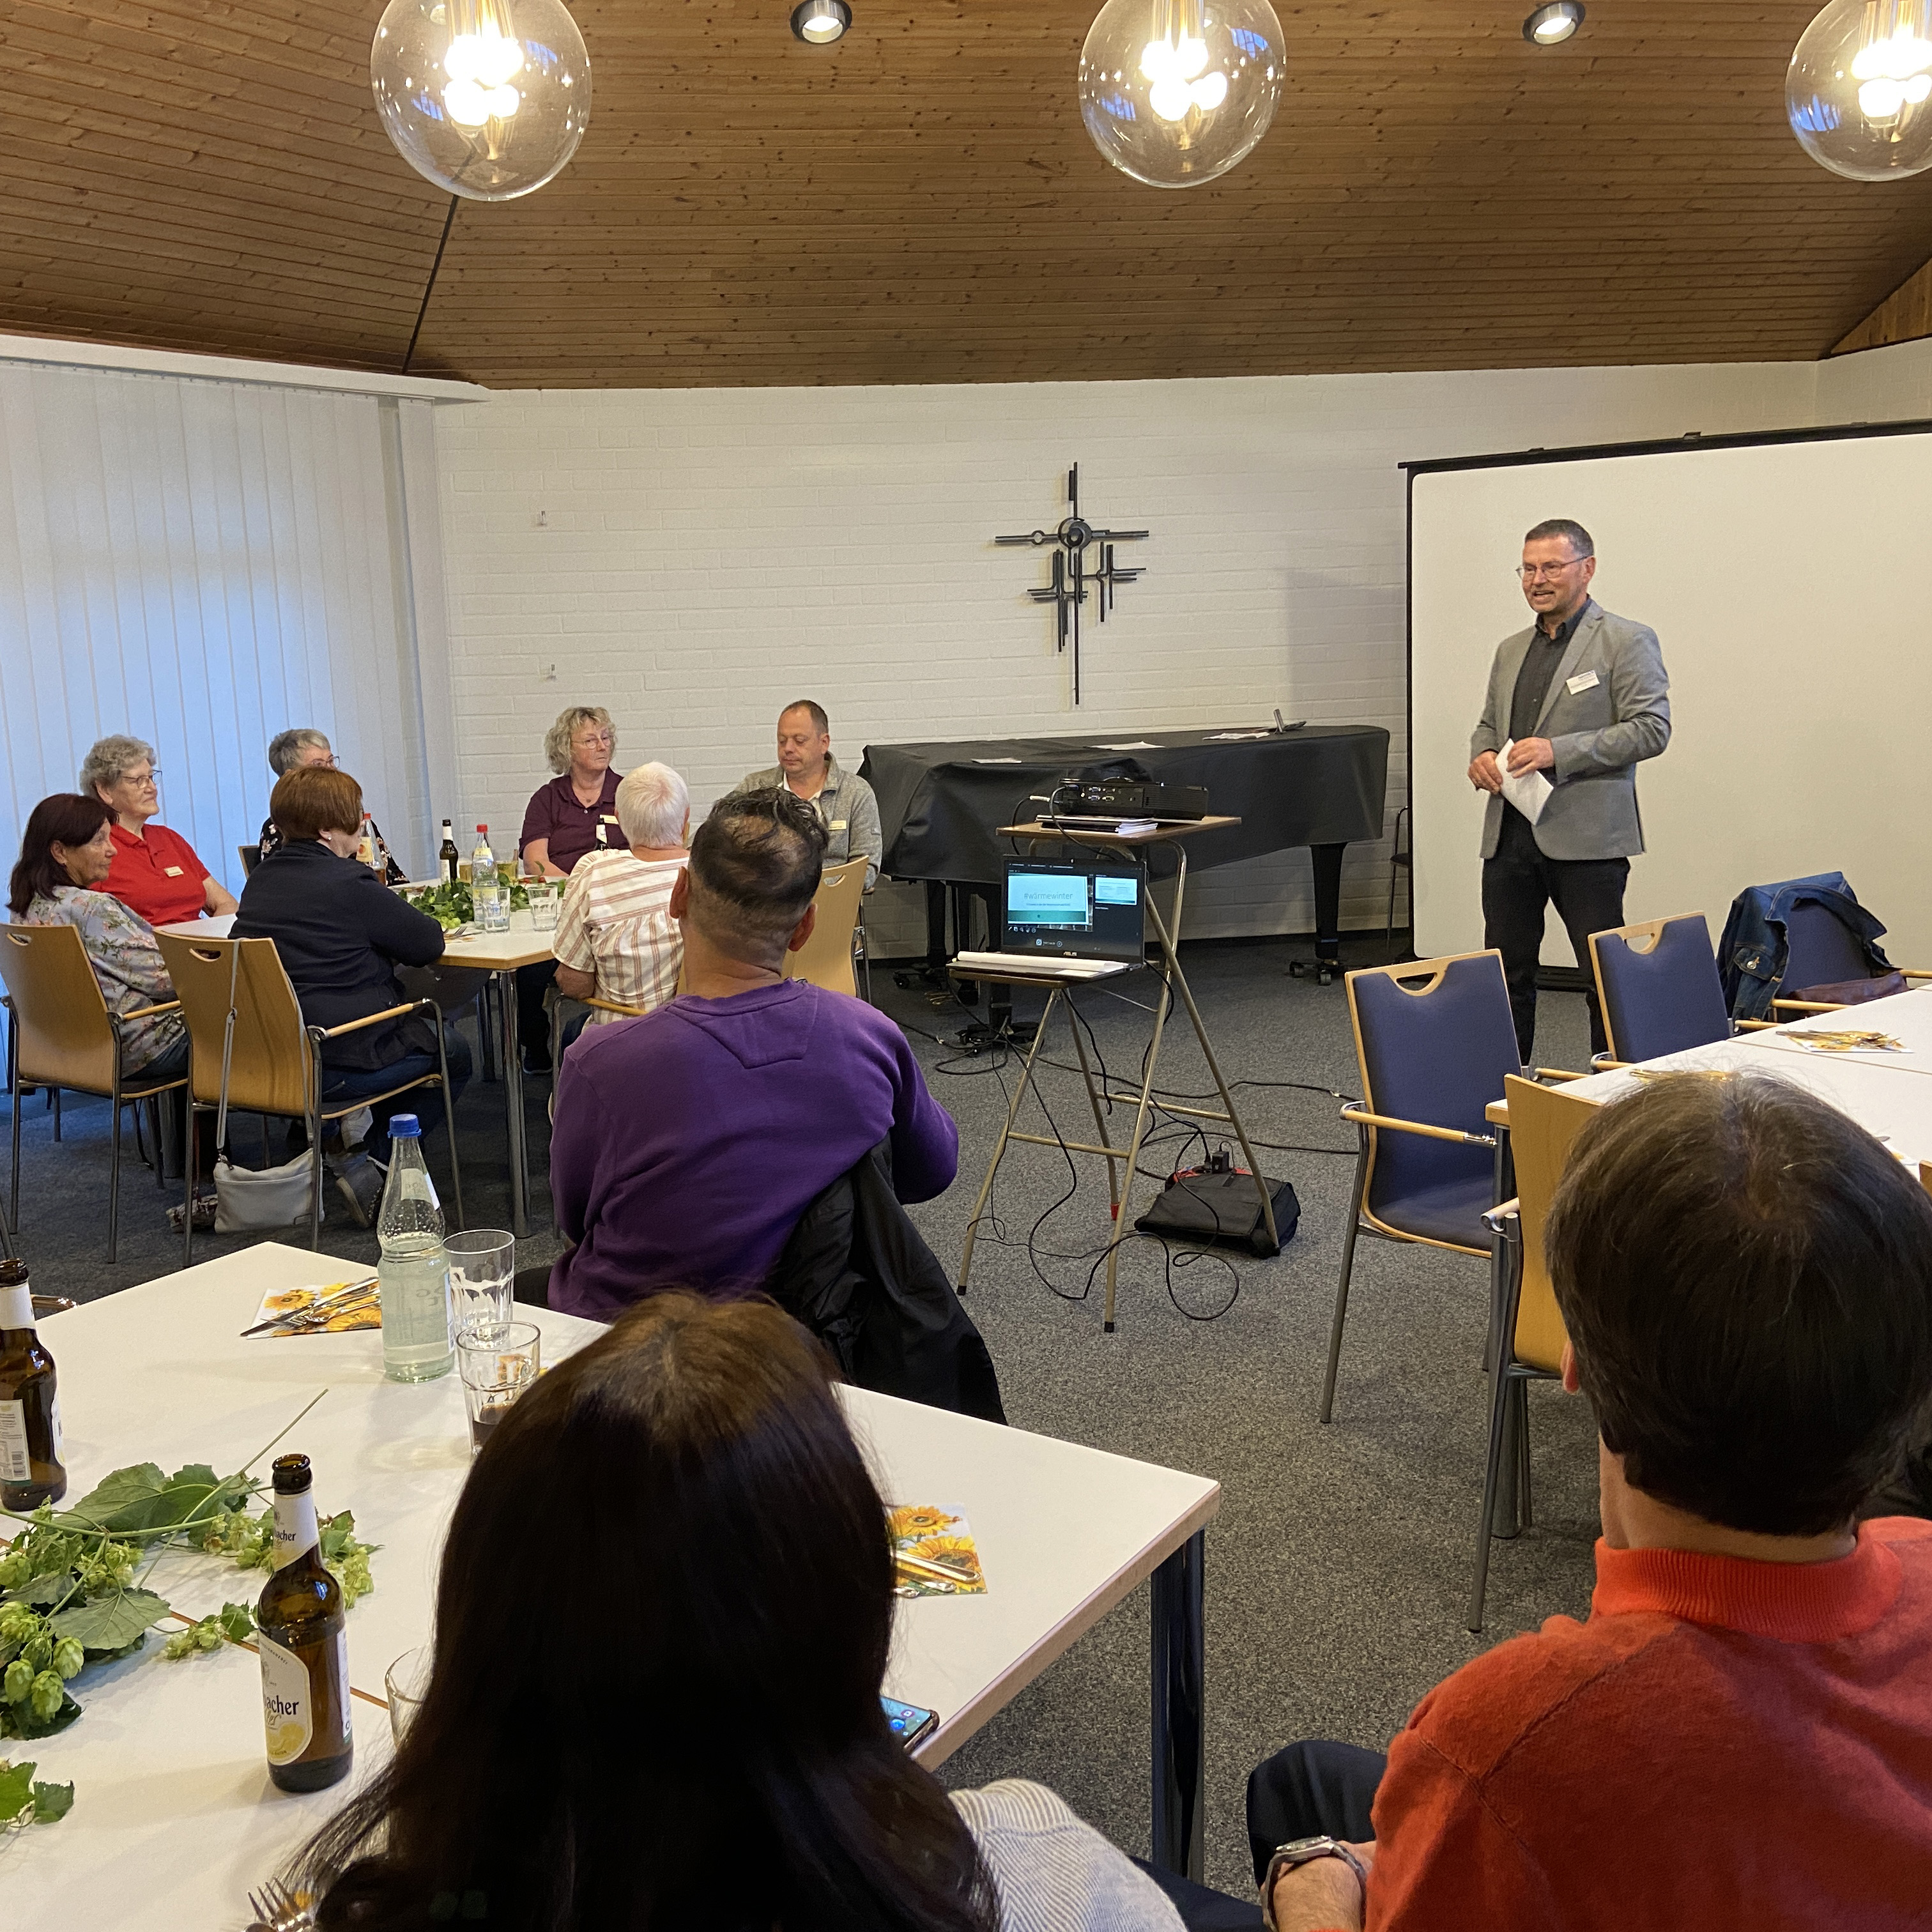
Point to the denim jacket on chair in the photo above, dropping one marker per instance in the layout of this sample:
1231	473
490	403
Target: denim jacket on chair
1752	954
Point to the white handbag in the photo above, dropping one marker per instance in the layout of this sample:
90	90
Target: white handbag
250	1199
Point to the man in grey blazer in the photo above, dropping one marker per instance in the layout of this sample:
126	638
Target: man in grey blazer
1581	697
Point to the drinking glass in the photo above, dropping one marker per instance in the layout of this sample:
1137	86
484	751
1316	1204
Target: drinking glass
499	1364
543	904
482	1264
407	1681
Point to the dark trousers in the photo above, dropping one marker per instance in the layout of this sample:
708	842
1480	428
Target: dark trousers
533	982
1201	1908
342	1084
1517	884
1311	1790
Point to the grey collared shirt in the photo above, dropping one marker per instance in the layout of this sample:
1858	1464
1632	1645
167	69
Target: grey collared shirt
846	804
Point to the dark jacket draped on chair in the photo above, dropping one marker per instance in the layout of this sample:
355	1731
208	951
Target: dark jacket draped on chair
856	1273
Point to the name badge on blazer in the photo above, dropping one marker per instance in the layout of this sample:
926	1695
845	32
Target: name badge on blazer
837	825
1584	681
171	871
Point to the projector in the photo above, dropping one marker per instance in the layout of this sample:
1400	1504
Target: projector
1116	799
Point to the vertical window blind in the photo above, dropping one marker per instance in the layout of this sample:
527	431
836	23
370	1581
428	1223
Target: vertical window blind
203	564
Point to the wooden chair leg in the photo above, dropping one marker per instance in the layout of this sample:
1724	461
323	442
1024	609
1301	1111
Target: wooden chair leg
1342	1285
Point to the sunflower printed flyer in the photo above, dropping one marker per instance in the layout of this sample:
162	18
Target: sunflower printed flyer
933	1554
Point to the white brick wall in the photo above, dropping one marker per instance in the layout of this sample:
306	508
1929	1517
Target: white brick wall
693	559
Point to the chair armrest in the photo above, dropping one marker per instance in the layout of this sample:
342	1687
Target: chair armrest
1363	1119
1807	1006
1914	972
148	1012
1754	1026
370	1020
1546	1073
612	1007
1504	1212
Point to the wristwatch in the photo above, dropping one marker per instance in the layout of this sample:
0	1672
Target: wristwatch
1304	1851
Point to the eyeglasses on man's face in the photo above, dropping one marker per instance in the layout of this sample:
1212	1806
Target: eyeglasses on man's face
1537	573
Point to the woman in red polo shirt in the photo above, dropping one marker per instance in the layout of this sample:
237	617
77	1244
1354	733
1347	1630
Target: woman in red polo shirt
155	872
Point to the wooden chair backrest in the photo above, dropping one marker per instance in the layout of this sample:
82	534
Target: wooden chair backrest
826	958
269	1071
1544	1122
60	1019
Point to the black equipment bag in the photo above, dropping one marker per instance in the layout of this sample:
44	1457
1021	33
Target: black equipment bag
1217	1207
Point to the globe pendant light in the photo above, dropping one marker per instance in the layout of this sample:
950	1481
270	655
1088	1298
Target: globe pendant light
1175	92
487	98
1859	93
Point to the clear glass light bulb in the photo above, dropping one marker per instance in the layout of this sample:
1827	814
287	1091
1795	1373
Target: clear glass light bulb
1176	92
1858	90
441	72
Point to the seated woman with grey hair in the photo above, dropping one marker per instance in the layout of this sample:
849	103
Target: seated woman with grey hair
156	872
616	939
293	751
575	813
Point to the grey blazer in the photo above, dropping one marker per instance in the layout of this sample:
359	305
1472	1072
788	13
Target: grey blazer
1600	734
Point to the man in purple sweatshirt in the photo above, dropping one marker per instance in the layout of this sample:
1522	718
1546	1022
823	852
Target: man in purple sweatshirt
687	1143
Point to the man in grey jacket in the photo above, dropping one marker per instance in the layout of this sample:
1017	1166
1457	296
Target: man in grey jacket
1581	697
807	770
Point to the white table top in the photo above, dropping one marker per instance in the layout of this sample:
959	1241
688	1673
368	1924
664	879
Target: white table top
1887	1093
160	1373
523	945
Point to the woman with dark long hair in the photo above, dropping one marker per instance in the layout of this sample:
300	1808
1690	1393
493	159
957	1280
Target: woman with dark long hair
662	1622
59	879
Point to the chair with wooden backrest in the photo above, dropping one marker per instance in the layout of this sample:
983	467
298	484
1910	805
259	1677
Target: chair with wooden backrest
1435	1042
1658	985
1527	1335
826	958
1824	963
64	1035
274	1063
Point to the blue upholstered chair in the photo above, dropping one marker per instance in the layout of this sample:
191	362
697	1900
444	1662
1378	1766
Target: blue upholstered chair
1435	1042
1658	985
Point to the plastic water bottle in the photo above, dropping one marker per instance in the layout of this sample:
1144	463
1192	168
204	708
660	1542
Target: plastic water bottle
486	889
417	1346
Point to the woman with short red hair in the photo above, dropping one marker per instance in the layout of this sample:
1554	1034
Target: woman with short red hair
341	934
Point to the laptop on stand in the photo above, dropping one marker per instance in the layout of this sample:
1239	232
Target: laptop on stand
1072	920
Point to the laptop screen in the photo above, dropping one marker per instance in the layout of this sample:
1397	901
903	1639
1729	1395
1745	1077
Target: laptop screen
1080	910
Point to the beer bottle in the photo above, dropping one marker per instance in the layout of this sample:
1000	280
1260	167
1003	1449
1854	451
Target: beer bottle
31	1471
304	1651
447	857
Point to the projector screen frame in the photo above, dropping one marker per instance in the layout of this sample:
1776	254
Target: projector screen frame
1550	977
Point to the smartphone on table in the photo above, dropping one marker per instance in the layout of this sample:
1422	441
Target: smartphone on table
912	1723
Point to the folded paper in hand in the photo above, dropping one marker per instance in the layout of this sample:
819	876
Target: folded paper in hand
1528	791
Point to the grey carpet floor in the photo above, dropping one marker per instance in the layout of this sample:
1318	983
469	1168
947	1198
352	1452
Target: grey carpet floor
1338	1567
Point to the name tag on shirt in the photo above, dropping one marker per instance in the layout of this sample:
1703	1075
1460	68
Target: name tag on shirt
838	825
1584	681
171	871
610	818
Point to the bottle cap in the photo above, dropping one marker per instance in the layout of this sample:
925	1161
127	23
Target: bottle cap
13	1273
404	1126
482	828
292	1475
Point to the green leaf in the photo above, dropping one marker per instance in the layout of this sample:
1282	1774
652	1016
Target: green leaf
140	1498
52	1802
112	1623
43	1590
238	1622
16	1790
17	1720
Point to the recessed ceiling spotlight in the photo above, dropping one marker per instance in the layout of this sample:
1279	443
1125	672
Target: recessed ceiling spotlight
821	22
1548	25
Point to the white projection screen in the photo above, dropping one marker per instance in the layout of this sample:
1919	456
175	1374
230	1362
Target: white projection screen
1786	579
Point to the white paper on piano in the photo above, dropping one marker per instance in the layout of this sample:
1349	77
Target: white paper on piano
1528	791
1137	745
999	761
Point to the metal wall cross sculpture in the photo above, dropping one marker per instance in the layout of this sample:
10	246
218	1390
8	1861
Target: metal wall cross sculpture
1073	575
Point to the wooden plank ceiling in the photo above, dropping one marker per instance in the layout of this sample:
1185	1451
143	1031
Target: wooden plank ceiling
920	203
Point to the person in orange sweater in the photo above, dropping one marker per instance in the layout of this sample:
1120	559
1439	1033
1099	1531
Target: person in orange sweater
1741	1734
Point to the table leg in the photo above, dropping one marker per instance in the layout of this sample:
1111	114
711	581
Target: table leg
513	1105
1180	1711
1019	1094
